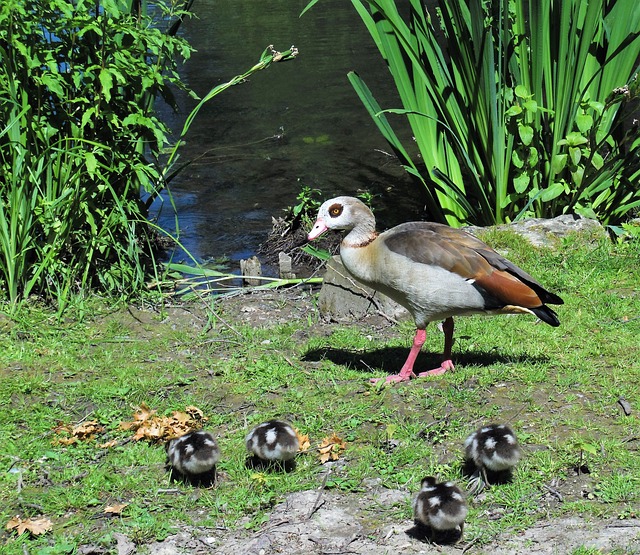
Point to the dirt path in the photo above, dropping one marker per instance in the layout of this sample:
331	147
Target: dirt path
337	523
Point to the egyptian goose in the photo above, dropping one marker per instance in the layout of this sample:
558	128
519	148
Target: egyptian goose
193	457
274	440
440	506
492	451
434	271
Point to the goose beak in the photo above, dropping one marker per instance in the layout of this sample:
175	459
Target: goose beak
318	229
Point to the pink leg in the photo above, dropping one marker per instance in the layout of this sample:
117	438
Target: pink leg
447	364
406	372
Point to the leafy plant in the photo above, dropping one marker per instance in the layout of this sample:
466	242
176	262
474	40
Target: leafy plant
77	87
517	108
584	447
80	144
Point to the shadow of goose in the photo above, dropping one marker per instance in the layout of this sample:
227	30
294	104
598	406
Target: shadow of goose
390	359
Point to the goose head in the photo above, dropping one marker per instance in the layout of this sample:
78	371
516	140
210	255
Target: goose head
343	213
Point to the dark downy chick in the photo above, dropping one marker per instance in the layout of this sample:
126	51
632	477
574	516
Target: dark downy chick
274	441
193	457
491	452
442	508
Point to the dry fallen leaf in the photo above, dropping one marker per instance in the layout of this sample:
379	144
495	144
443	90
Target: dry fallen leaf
35	526
195	412
116	508
65	440
81	432
148	425
143	414
331	448
303	440
150	430
88	430
108	444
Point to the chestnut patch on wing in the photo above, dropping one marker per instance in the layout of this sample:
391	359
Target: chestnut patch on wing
508	289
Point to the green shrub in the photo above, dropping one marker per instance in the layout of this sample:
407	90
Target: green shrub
78	139
80	142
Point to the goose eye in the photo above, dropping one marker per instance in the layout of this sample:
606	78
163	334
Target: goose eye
335	210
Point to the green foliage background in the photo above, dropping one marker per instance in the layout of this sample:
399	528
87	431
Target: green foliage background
79	141
516	108
82	153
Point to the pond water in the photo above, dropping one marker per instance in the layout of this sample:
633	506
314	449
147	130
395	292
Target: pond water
294	124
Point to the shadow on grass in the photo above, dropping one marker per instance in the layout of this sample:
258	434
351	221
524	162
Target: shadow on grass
391	359
426	534
258	464
204	480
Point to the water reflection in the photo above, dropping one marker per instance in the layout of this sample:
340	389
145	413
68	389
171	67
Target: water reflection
296	123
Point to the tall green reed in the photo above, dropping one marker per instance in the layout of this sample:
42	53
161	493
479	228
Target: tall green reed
517	108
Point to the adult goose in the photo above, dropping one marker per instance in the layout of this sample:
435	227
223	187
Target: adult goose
434	271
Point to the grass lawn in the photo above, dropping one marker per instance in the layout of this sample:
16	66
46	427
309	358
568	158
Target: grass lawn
258	356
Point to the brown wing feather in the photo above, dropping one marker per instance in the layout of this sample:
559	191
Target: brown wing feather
434	244
466	255
508	289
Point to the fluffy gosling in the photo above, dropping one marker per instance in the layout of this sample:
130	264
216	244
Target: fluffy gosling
274	441
491	452
442	508
193	458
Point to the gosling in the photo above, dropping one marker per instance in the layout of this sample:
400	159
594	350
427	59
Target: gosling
193	458
491	453
273	442
442	509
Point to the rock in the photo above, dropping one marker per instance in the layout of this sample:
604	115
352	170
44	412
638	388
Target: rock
252	269
542	232
372	522
284	263
342	298
124	545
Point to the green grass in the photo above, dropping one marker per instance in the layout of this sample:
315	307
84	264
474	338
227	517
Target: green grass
557	387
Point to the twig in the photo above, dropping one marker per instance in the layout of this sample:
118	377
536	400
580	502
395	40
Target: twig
626	406
218	340
470	544
553	492
630	439
133	315
214	314
317	505
19	483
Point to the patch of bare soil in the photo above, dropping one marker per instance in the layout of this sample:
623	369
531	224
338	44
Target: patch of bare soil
332	523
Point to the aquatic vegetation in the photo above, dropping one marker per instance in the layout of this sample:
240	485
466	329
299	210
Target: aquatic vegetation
517	108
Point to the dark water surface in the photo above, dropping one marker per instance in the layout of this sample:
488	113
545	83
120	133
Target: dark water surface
295	123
